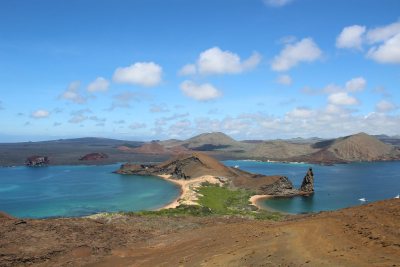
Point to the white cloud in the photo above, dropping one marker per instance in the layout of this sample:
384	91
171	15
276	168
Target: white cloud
300	113
277	3
305	50
356	84
342	99
333	109
388	52
284	80
385	106
98	85
216	61
201	92
146	74
383	42
381	34
188	69
72	93
351	37
40	114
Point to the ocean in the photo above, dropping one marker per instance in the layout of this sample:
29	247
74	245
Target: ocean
71	191
336	187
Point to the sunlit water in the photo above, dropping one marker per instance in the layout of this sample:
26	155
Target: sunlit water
79	190
336	187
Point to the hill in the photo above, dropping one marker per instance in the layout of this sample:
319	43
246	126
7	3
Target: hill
358	147
195	165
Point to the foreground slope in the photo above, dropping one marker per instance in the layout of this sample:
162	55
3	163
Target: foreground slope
366	235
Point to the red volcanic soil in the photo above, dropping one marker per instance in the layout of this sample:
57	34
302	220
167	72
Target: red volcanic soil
366	235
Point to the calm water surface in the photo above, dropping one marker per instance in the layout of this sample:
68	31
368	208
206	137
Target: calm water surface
336	187
79	190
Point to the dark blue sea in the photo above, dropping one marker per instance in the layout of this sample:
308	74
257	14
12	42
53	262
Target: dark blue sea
336	187
69	191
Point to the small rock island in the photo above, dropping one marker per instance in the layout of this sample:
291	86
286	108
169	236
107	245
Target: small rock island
37	161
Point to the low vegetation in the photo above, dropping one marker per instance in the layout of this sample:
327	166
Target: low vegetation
216	200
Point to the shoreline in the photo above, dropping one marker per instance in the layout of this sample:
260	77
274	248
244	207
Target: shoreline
255	198
188	194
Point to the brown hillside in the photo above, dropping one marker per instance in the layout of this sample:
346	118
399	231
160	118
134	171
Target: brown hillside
280	150
366	235
360	147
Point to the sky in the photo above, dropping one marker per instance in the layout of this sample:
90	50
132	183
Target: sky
160	69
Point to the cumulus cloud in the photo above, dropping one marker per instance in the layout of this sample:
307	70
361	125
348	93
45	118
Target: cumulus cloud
342	99
145	74
383	42
300	112
40	114
351	37
381	34
305	50
329	121
200	92
98	85
385	106
356	84
353	85
216	61
388	52
277	3
284	80
72	93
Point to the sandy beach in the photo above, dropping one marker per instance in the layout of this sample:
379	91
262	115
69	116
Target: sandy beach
254	200
188	195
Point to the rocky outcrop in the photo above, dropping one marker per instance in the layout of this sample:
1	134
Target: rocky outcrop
280	187
94	156
37	161
308	182
283	187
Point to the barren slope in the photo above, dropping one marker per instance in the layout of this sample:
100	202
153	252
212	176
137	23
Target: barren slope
360	147
367	235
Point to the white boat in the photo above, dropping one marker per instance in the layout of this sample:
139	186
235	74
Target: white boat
236	167
398	196
362	199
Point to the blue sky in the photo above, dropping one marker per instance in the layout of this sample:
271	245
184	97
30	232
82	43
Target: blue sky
143	70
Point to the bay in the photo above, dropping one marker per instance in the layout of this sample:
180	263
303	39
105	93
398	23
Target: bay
338	186
70	191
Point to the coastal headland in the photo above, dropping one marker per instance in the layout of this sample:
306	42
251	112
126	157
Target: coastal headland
191	170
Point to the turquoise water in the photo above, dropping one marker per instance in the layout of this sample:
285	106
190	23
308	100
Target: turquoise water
336	187
69	191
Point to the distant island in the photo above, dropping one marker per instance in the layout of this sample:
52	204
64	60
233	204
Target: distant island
353	148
